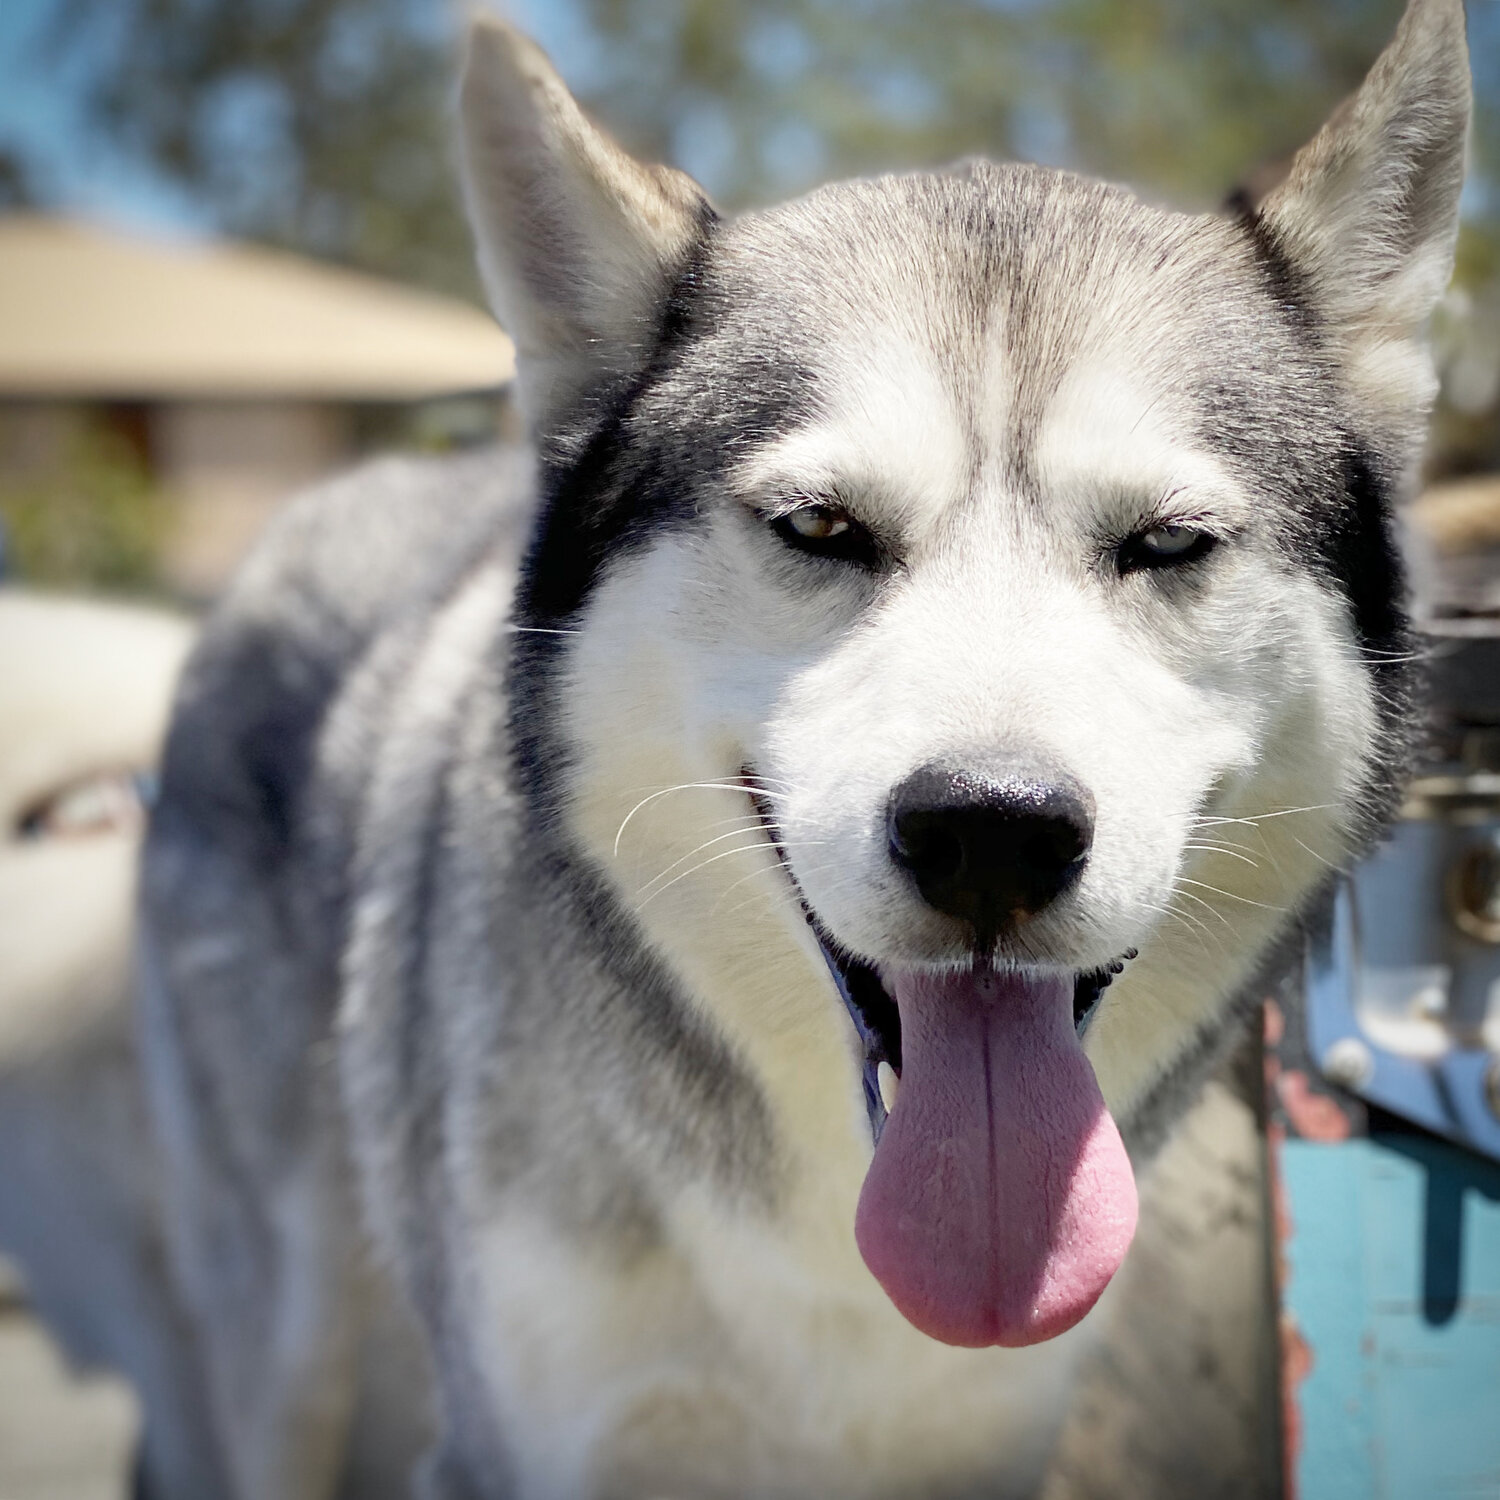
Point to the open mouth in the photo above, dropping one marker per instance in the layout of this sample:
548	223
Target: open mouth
877	1017
1000	1200
872	1008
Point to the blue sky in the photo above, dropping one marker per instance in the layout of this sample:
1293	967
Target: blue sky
39	111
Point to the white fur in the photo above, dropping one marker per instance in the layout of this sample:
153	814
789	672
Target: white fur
1004	634
994	641
610	1311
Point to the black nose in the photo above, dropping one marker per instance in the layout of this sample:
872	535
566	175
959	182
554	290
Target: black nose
990	849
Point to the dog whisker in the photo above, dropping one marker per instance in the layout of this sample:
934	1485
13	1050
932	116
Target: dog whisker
1253	818
1211	848
1206	905
677	864
1227	895
1192	923
667	791
775	869
759	843
1321	859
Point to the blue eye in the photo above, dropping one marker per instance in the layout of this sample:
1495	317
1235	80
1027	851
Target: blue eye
1171	541
1164	546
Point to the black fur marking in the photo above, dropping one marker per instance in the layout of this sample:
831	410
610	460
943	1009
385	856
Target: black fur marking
606	494
1332	485
589	514
1283	278
1358	549
602	499
1350	534
1355	546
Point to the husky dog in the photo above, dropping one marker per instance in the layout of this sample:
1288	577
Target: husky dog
687	959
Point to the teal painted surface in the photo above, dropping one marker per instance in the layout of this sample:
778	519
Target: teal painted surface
1393	1279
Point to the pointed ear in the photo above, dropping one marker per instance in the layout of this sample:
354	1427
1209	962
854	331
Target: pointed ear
579	244
1368	216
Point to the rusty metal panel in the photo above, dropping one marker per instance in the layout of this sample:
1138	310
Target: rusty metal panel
1391	1286
1388	1267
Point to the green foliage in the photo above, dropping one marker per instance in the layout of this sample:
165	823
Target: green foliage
90	520
323	125
1183	95
319	125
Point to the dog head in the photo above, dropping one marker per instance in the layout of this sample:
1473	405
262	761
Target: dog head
982	577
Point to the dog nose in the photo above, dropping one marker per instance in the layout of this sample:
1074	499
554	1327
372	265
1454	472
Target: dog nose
990	849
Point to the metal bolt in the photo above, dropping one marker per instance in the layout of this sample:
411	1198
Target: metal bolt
1492	1086
1430	1002
1473	890
1349	1063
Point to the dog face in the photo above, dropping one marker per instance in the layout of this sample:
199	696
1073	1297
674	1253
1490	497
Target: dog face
1027	531
985	575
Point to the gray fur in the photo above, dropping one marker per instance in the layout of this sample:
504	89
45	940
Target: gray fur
422	1052
245	886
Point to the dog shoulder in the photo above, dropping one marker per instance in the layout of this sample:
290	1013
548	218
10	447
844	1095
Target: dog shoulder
282	707
344	565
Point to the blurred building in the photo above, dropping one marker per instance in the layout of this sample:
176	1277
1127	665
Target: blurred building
234	374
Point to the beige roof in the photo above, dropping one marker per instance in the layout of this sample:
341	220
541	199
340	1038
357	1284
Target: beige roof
1460	515
88	311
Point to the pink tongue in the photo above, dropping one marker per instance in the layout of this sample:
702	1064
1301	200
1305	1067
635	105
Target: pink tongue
1000	1201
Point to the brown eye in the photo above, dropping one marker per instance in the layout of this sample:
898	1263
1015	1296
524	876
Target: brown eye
818	523
828	531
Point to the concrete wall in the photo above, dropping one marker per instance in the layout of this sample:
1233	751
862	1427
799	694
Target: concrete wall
227	466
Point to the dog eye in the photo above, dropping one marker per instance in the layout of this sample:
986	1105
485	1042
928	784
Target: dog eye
1165	546
817	523
827	531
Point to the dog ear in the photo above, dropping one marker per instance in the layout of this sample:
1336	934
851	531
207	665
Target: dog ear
1368	215
579	244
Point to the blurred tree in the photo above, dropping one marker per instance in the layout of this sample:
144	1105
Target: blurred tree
774	94
91	519
323	124
1184	98
320	125
16	189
